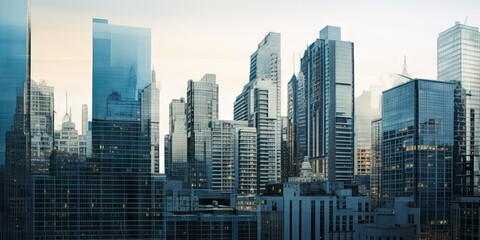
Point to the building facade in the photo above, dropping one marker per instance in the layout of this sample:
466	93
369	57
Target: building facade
201	109
376	162
418	150
177	143
41	125
458	58
245	161
328	68
14	119
315	210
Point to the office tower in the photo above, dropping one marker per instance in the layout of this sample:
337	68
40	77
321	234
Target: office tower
376	161
41	126
245	160
265	63
84	119
256	105
296	125
418	149
166	155
202	108
465	218
328	67
223	161
314	210
14	119
367	107
150	119
177	161
458	58
259	105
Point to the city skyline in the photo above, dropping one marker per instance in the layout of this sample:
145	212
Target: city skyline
190	39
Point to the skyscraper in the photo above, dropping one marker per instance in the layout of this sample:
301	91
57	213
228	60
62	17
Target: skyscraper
41	125
458	58
376	161
328	67
15	206
256	105
418	149
177	142
259	105
367	107
223	159
202	108
245	160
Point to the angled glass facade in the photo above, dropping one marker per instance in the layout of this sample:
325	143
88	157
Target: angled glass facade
458	58
177	143
15	215
418	150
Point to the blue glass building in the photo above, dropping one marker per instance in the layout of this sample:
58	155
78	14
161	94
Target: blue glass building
116	193
15	220
418	149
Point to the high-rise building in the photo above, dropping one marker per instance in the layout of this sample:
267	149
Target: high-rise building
418	149
245	160
15	206
84	119
328	68
41	125
223	159
201	109
286	166
116	190
166	155
259	105
296	125
177	161
376	161
367	108
256	105
458	58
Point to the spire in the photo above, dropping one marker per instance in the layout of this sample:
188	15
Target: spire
66	102
293	64
405	72
154	77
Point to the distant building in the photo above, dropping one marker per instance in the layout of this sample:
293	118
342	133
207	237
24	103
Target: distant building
176	161
41	126
316	210
84	119
201	109
376	161
68	140
327	65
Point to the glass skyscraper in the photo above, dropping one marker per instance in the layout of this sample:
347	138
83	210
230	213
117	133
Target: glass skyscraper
202	108
418	149
328	68
177	141
15	215
458	58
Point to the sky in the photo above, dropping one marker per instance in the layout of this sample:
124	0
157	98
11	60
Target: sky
194	37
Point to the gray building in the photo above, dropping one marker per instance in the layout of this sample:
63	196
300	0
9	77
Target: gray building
176	163
398	221
312	210
245	161
259	105
41	126
201	109
328	68
458	58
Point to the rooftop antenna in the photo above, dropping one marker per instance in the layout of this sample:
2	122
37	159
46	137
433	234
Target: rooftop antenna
66	102
465	23
293	63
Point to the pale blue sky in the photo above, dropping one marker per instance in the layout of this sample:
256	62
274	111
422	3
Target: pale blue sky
191	38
